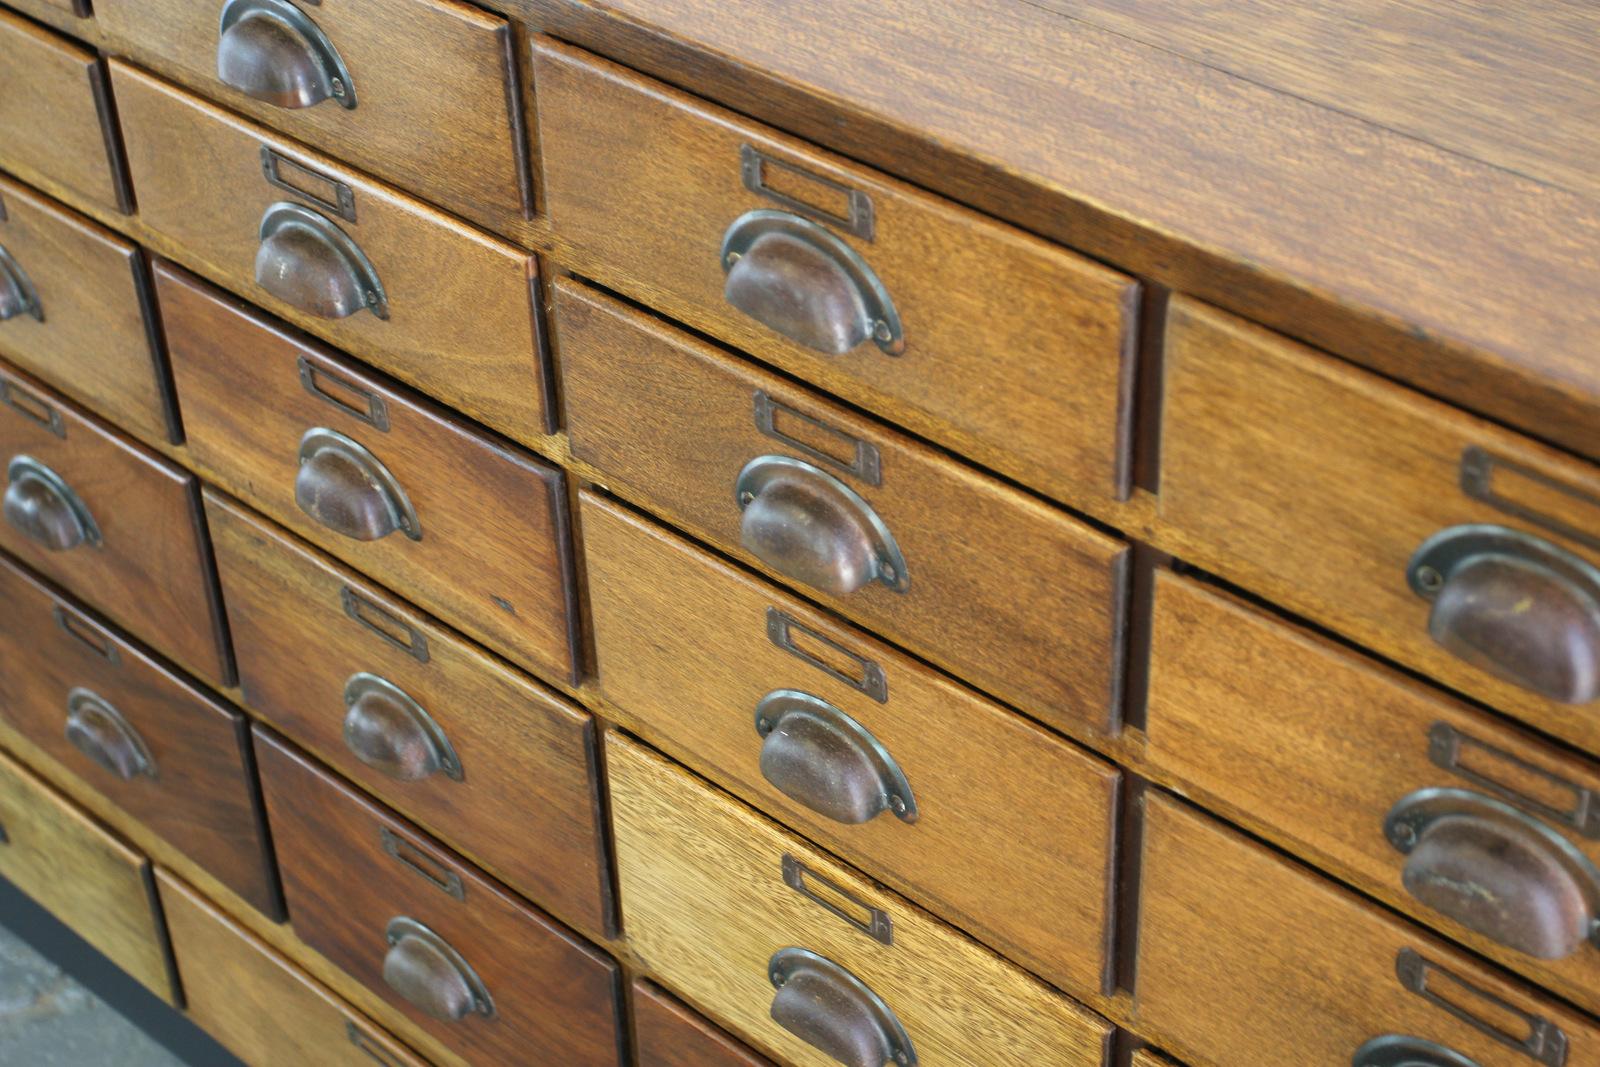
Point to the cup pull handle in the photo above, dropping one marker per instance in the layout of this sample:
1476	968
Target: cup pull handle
271	51
347	489
432	976
100	732
835	1012
393	734
309	263
17	294
820	757
44	508
1400	1050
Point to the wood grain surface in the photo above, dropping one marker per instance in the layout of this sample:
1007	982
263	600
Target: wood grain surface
669	1033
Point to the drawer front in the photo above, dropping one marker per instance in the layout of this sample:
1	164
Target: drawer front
986	581
164	750
707	907
1049	334
1322	747
1247	958
398	913
83	876
427	96
458	318
668	1033
488	552
512	783
53	117
78	321
1335	480
257	1004
113	522
696	653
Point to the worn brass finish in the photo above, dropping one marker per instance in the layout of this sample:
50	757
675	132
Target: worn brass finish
99	731
1399	1050
271	50
393	734
349	490
17	294
309	263
818	756
433	977
40	504
833	1011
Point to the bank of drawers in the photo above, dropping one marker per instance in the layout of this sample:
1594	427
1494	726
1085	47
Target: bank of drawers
711	618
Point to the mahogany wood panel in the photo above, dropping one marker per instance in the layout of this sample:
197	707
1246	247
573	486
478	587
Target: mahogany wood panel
437	108
84	876
493	555
1312	483
555	995
686	655
1017	597
258	1005
92	340
668	1033
461	319
1245	957
151	573
526	806
706	906
1048	333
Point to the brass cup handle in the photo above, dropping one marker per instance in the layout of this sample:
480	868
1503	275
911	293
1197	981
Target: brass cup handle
99	731
835	1012
17	294
309	263
818	756
41	505
271	51
1496	870
807	524
795	277
1400	1050
347	489
391	733
1515	605
430	975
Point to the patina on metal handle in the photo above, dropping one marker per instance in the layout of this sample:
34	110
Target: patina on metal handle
309	263
1496	870
99	731
349	490
40	504
431	975
393	734
817	755
1515	605
17	294
835	1012
271	50
795	277
807	524
1400	1050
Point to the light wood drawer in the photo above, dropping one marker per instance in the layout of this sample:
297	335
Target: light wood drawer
82	328
160	747
707	906
1334	479
460	318
331	659
485	974
696	653
473	529
55	118
258	1005
988	582
1319	747
427	99
1245	957
1048	334
84	876
668	1033
114	522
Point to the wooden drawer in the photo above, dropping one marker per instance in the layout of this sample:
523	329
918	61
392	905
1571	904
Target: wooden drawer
56	126
84	876
518	791
473	529
988	582
83	329
428	95
459	319
258	1005
1047	333
1319	747
163	749
387	905
1247	958
668	1033
1334	479
707	905
138	548
696	653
